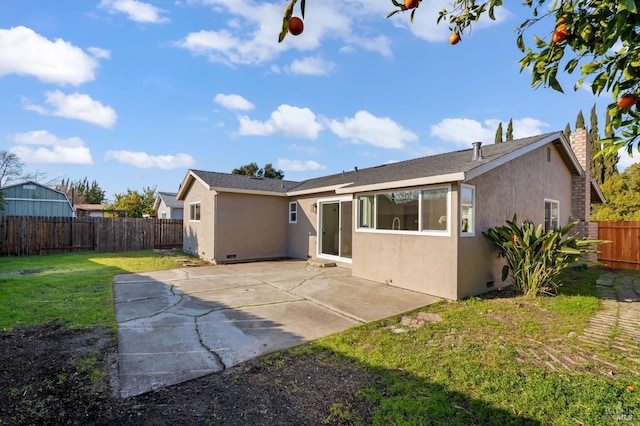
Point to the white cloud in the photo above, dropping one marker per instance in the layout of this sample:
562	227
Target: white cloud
146	161
381	132
290	121
425	24
135	10
251	33
297	165
24	52
235	102
309	150
311	66
75	106
99	53
465	131
40	146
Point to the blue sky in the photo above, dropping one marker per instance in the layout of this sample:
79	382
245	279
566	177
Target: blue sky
134	93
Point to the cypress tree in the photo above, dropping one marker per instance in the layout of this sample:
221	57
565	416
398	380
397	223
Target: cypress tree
597	161
567	132
499	133
580	121
611	160
510	130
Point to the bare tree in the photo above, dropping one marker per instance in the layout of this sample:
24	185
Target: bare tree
10	167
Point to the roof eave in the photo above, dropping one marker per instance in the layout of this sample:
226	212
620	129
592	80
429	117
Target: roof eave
329	188
190	176
595	190
406	183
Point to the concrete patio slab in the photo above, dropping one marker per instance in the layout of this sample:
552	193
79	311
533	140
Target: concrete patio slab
181	324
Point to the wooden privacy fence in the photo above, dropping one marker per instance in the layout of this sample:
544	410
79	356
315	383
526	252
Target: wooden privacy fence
623	251
27	235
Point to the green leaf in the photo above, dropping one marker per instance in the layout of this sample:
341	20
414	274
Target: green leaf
520	43
505	272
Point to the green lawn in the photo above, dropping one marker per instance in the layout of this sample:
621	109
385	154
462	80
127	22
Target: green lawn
483	364
74	289
469	369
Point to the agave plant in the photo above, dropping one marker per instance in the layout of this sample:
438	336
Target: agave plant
534	257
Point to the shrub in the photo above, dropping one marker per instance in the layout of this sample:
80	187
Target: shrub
534	257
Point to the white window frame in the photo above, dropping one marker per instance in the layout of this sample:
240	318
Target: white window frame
373	229
293	212
472	232
548	225
192	206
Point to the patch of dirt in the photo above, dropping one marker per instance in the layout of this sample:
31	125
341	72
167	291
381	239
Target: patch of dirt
47	377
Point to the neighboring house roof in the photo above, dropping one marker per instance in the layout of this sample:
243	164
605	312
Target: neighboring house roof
90	207
226	182
32	182
169	199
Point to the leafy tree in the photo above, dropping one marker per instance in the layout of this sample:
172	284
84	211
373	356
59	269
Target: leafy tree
10	167
567	132
82	192
252	169
580	121
597	37
622	192
510	130
135	203
499	133
272	173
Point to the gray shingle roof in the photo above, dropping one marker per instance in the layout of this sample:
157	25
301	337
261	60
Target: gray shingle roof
424	167
435	165
242	182
170	201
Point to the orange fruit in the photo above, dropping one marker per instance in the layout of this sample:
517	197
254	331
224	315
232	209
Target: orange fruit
411	4
455	38
296	26
627	101
560	33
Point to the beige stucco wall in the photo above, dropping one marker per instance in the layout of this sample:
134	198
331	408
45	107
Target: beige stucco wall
199	235
519	187
423	263
250	227
302	235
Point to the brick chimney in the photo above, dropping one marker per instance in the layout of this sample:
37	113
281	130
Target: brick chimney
581	185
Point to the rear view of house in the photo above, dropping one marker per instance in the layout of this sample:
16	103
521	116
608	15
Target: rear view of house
33	199
415	224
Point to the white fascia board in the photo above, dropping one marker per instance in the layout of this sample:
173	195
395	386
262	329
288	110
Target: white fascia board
318	190
471	174
429	180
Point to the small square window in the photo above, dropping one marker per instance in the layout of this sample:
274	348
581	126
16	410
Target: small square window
194	211
293	212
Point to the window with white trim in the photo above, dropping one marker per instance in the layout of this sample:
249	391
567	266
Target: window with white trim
194	211
293	212
467	210
420	211
551	214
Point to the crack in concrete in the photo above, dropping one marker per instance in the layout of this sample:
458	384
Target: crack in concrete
215	355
